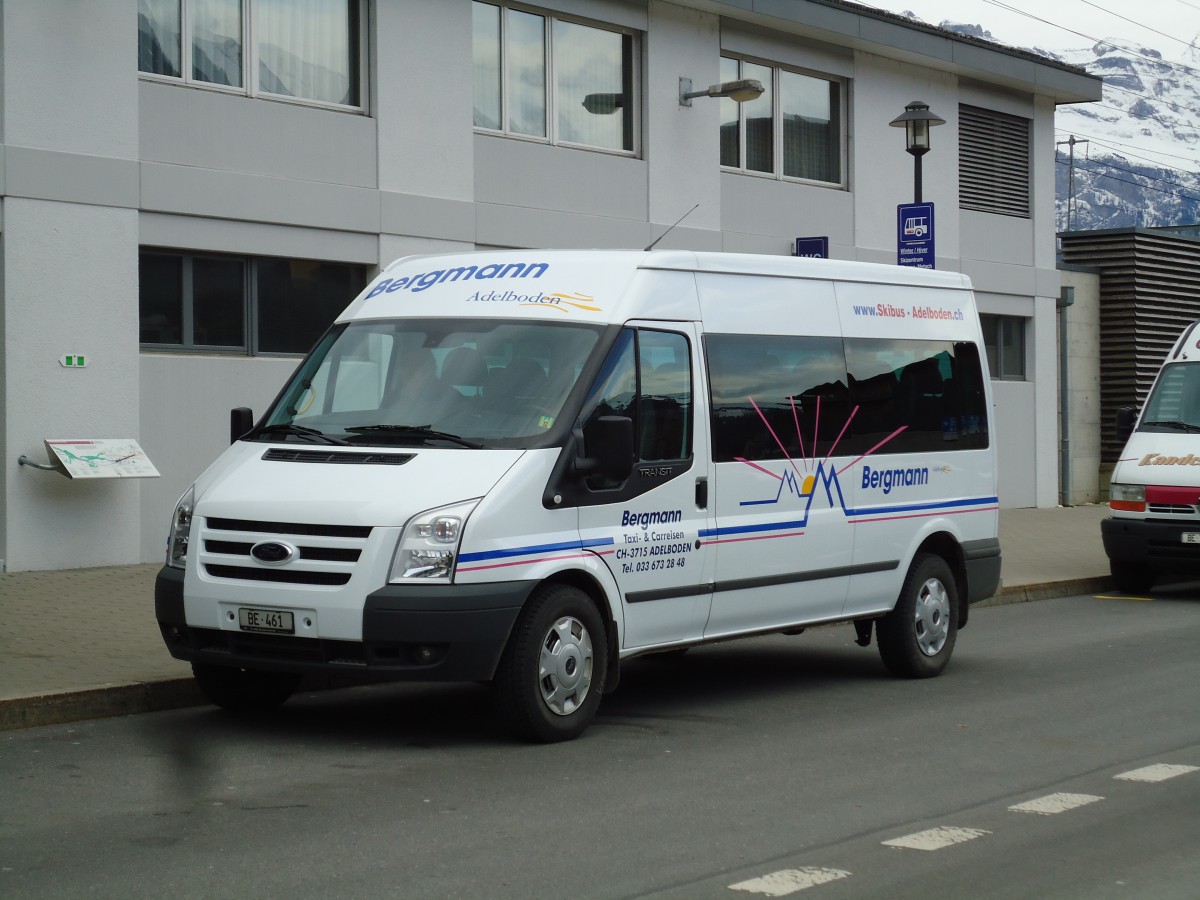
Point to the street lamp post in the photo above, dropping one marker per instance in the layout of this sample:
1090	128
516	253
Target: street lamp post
916	121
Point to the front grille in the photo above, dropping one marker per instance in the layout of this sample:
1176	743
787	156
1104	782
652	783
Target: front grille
282	528
1171	509
279	576
326	554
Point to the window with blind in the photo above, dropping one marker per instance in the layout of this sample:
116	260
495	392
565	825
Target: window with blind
551	79
993	162
794	130
303	50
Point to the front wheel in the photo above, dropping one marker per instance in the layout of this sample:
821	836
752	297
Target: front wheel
244	690
552	672
917	637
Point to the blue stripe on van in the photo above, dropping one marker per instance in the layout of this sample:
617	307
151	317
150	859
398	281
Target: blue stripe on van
922	507
752	529
850	514
539	548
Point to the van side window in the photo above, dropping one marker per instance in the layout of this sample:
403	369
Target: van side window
915	396
665	397
811	397
775	396
647	377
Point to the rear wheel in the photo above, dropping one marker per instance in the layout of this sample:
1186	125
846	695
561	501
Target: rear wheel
244	690
1131	578
552	673
917	637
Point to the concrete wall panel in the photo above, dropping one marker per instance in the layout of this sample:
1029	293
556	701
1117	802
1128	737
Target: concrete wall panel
70	273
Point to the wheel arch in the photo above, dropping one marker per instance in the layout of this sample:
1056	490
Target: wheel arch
947	546
584	581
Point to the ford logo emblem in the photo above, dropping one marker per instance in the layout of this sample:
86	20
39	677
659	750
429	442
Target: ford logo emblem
273	553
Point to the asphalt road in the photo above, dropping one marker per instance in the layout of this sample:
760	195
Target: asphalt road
739	770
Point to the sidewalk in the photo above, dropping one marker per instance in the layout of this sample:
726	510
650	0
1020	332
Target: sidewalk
83	643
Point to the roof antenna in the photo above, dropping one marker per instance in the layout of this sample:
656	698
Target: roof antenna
669	230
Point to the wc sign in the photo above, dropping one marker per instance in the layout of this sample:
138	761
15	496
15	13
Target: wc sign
914	235
813	247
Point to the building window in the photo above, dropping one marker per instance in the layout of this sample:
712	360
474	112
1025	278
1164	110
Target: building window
1004	338
551	79
300	49
993	162
255	305
794	130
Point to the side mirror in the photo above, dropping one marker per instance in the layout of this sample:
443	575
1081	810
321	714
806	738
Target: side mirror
609	445
241	420
1126	417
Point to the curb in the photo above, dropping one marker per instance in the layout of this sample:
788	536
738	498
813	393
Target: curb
1049	590
64	707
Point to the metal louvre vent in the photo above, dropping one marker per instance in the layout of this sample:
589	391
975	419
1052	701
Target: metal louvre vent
1149	292
320	555
353	458
993	162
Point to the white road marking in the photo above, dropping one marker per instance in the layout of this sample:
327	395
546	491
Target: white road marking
1055	803
1160	772
788	881
936	838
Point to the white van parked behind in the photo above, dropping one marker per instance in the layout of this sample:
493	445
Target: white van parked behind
525	467
1154	529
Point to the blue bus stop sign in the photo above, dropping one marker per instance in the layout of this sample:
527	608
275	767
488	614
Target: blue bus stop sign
914	235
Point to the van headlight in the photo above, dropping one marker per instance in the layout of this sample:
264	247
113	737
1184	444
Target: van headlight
181	530
1127	497
429	545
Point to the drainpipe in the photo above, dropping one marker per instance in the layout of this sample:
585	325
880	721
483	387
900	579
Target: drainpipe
1066	298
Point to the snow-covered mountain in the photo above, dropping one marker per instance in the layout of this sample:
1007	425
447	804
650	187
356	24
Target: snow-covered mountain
1140	165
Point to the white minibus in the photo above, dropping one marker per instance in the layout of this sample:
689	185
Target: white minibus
527	467
1154	529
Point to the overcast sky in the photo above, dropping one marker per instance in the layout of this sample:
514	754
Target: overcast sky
1165	25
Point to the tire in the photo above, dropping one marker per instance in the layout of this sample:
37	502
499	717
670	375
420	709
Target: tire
552	673
244	690
1131	578
917	637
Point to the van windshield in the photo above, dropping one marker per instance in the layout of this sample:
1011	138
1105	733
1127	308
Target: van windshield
1174	404
433	382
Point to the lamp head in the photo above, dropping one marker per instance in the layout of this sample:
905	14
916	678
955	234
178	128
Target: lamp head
916	120
740	91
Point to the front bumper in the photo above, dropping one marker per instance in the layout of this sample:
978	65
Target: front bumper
1156	543
410	633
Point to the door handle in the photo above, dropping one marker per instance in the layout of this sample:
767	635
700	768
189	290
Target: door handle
702	493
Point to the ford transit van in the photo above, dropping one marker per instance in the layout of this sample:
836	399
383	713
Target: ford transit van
1154	529
527	467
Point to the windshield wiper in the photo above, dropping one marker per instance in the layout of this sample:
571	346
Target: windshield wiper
422	432
302	431
1174	424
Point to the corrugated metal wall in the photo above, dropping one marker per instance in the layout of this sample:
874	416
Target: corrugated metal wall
1149	290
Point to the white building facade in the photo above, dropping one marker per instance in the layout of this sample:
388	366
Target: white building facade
189	223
